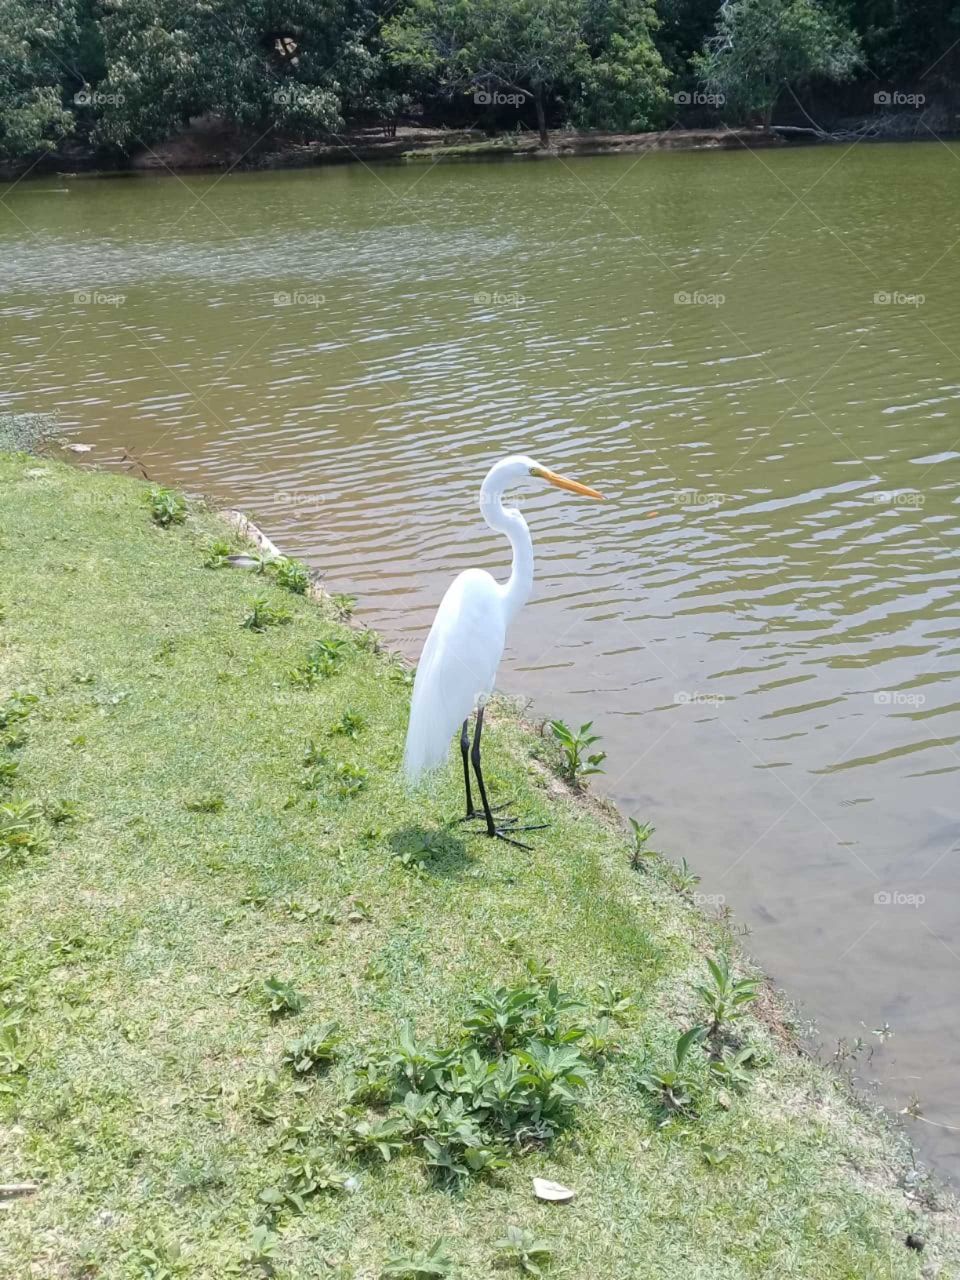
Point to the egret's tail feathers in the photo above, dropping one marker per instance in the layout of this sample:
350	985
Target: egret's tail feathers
433	721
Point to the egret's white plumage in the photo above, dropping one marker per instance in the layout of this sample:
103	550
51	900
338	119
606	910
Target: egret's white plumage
459	662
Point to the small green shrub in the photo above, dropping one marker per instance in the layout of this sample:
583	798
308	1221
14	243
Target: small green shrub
166	506
350	725
217	554
63	812
208	802
350	779
316	1048
641	833
727	998
323	660
577	759
263	614
676	1087
292	575
8	773
19	832
681	877
344	604
433	1264
524	1250
13	1048
281	998
16	708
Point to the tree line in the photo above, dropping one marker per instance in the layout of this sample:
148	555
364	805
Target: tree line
111	76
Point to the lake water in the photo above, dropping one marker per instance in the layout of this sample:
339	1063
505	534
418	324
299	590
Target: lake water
763	349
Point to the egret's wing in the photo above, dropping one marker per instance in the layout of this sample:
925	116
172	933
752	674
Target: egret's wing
458	663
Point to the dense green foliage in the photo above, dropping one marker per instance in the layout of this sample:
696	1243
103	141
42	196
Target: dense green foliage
115	78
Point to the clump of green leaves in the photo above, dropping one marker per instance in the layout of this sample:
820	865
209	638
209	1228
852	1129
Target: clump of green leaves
677	1088
436	1262
350	779
727	998
16	708
681	877
8	773
282	999
316	1048
13	1048
641	833
263	614
524	1250
217	554
20	833
323	660
512	1080
344	604
577	761
63	812
293	575
614	1002
166	506
208	802
350	725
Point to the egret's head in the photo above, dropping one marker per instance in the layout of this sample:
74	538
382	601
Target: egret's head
513	471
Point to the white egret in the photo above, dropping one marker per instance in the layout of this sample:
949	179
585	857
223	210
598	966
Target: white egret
462	652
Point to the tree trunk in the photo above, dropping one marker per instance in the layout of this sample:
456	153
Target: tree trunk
541	115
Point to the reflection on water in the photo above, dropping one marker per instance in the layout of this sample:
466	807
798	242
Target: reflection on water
760	349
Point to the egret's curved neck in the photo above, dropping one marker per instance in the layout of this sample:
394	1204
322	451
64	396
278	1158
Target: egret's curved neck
508	520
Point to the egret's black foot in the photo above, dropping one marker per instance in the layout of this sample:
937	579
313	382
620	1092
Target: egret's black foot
508	833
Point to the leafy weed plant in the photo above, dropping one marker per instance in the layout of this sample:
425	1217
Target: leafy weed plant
292	575
263	614
524	1250
577	760
166	506
315	1049
727	998
677	1088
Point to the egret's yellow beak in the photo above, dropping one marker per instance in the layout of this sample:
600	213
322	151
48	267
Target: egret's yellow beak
561	482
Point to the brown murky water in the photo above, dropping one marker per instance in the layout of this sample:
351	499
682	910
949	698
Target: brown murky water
763	349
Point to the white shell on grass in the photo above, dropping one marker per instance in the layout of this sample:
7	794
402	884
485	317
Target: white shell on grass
544	1189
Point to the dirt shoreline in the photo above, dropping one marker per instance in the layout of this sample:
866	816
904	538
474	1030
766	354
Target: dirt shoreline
211	145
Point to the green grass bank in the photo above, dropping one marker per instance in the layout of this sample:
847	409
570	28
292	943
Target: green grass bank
206	855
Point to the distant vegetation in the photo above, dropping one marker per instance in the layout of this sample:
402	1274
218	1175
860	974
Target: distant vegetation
81	78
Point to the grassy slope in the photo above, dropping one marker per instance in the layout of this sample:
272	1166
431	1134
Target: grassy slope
138	941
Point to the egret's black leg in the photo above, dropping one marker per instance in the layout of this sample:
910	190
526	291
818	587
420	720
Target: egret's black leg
465	752
492	829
